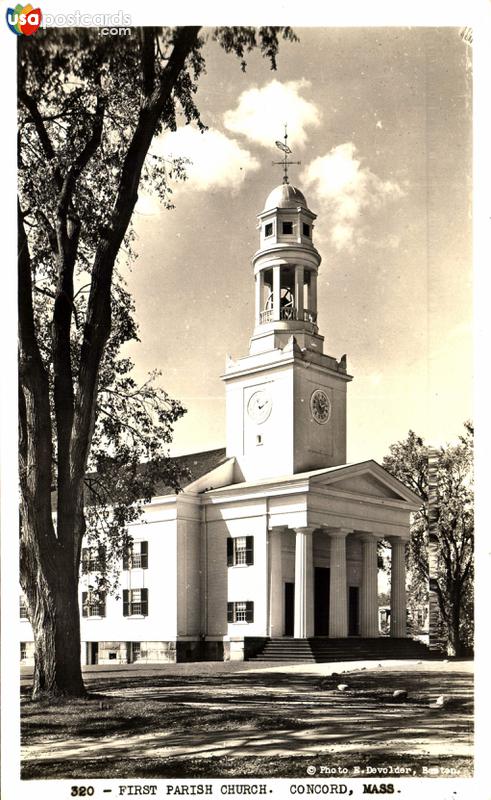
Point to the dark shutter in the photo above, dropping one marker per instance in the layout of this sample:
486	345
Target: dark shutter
144	554
126	554
230	611
85	559
85	612
144	597
102	604
230	552
101	556
126	612
249	611
249	549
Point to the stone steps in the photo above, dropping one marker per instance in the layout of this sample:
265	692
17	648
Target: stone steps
353	649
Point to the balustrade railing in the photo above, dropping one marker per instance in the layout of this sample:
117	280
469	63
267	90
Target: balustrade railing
288	313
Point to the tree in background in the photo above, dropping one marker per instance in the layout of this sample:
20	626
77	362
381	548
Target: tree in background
453	527
89	108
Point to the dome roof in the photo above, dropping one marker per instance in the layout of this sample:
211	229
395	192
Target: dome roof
285	196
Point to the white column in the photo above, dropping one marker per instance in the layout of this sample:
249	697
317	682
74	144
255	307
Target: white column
338	592
259	295
276	292
398	587
299	291
369	589
313	292
304	584
275	583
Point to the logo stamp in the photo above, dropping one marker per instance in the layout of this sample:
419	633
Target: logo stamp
24	19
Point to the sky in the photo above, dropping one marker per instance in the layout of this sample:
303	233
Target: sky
381	121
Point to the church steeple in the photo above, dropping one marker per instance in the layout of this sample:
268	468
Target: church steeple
285	270
286	400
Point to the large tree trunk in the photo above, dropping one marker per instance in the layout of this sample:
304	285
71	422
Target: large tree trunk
454	645
50	558
50	584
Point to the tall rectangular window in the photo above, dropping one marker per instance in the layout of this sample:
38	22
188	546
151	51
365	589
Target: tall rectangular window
306	229
268	229
22	607
135	602
240	611
93	558
93	604
240	550
136	556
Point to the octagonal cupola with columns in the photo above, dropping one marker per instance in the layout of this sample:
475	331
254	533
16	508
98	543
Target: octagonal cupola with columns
285	272
286	399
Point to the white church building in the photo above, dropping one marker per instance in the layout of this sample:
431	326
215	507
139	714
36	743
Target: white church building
273	542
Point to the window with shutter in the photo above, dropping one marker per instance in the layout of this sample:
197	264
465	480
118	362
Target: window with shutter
22	607
93	558
136	556
93	604
240	611
240	551
135	602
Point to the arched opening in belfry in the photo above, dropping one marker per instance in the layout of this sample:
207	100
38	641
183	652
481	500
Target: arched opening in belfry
295	298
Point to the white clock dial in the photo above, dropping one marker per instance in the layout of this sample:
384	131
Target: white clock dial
320	406
259	406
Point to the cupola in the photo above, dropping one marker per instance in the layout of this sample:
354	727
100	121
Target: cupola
285	271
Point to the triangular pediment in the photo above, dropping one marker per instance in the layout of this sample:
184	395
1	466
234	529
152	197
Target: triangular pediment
367	479
367	484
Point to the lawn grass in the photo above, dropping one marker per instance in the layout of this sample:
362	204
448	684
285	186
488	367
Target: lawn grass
342	764
292	709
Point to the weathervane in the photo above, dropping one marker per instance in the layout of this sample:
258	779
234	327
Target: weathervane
286	150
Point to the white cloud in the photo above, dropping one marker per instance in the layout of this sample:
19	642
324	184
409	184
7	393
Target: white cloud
216	160
349	190
260	114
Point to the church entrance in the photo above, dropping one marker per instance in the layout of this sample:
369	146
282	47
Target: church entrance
353	611
92	652
289	608
322	579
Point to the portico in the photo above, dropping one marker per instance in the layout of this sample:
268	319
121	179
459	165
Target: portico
336	589
322	530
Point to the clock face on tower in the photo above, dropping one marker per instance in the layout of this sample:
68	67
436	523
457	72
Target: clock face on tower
259	406
320	406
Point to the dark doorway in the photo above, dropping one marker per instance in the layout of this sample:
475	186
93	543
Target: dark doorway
289	608
353	611
322	576
92	652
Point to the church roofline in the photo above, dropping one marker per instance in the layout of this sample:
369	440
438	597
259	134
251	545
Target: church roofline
304	481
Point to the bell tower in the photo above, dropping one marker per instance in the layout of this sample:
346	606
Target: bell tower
285	273
286	400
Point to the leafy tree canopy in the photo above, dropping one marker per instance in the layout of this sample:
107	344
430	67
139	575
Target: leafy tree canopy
89	108
449	500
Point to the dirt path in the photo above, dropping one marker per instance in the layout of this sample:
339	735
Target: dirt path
311	721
